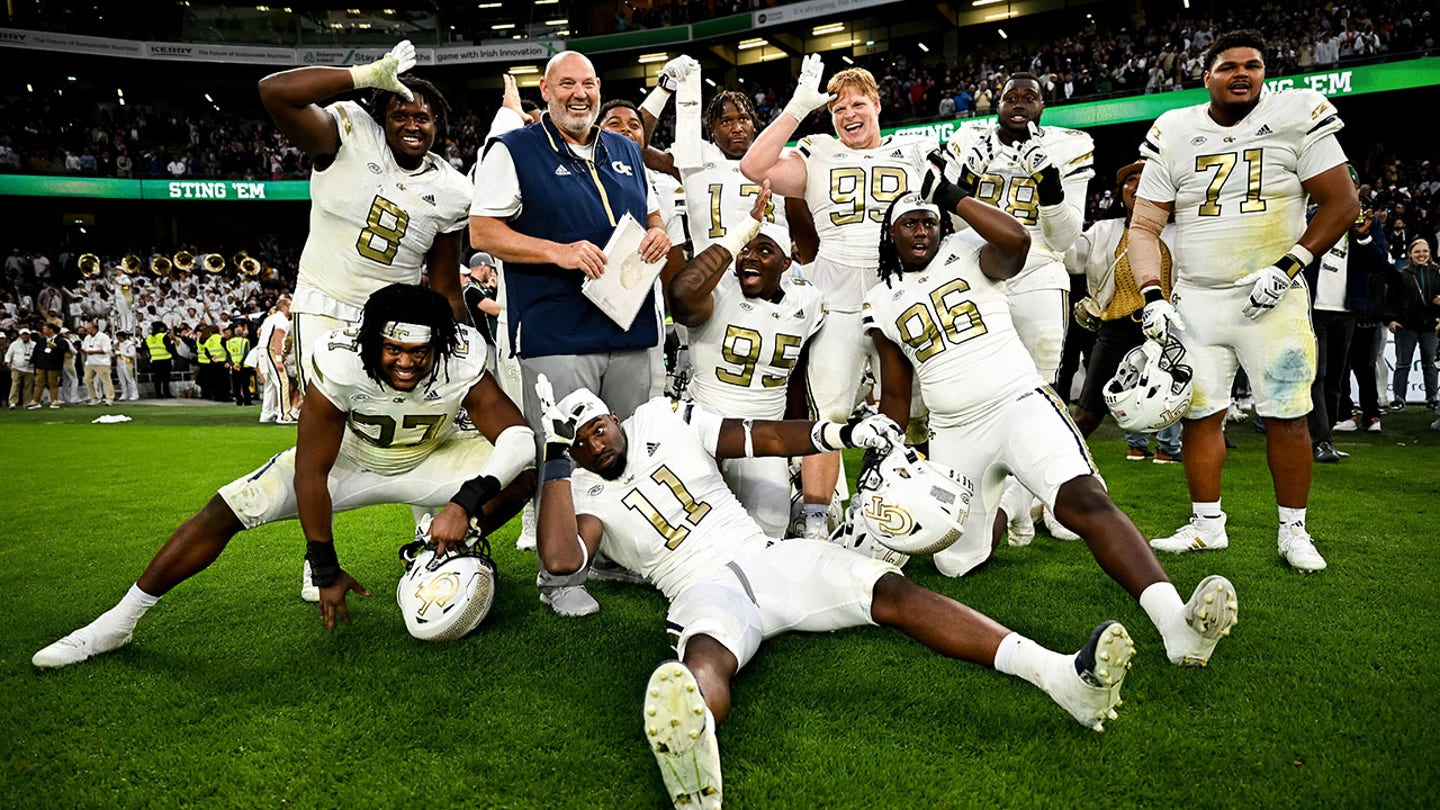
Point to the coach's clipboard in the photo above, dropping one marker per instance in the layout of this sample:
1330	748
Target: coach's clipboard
621	291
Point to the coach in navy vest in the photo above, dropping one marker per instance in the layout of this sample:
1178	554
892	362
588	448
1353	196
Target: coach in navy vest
547	198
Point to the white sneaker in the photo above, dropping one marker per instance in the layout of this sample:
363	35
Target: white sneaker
1057	529
679	732
1091	691
526	540
1194	536
572	601
1348	426
80	645
309	591
1299	550
1212	611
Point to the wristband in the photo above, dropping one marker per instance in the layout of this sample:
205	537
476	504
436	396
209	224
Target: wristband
656	101
1152	293
1295	261
555	451
827	437
556	469
324	565
474	493
949	195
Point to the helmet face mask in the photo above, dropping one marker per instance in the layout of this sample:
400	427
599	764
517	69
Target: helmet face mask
910	504
1153	387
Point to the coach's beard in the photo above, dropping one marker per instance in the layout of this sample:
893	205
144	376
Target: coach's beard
575	124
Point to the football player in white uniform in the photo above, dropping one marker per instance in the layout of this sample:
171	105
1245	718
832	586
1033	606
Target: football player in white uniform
1236	172
648	493
277	400
847	181
1039	176
384	207
941	317
747	330
377	427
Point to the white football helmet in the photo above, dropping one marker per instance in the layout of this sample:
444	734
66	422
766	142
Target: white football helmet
443	598
911	504
1152	388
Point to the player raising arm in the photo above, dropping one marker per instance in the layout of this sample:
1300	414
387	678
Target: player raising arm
377	427
1236	172
647	493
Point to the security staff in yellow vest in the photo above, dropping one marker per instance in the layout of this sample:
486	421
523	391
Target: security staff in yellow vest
161	348
214	348
241	375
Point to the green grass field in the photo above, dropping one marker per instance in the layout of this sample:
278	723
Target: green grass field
233	694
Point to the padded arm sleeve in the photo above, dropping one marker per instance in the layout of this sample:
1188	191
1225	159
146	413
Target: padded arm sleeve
1146	222
514	451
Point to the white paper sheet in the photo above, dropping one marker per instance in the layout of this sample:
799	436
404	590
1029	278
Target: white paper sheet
621	291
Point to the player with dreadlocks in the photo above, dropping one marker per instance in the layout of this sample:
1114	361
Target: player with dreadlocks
385	207
942	317
378	426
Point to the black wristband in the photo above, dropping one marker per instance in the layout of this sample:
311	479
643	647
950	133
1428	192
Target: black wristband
1152	294
556	469
554	451
1048	189
324	565
948	195
474	493
1290	265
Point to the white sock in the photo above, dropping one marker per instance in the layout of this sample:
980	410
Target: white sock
127	612
1023	658
1162	603
1290	516
1206	510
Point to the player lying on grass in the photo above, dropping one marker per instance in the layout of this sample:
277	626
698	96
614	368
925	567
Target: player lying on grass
940	315
649	495
377	427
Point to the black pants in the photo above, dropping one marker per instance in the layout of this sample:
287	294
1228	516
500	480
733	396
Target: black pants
160	375
1361	362
1333	331
240	378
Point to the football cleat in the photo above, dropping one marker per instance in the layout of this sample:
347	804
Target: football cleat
1058	530
1210	614
1298	549
1195	536
1090	691
682	735
88	641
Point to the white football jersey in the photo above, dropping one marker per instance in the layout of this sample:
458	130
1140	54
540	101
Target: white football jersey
372	222
953	324
743	355
669	516
848	191
717	196
1006	186
389	431
1239	204
276	320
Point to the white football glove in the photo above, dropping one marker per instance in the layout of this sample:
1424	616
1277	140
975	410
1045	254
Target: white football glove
808	96
975	161
385	73
875	431
559	429
1267	286
1032	155
675	72
1159	318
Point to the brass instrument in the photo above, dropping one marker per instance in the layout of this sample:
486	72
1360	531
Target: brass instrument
89	265
237	258
160	266
250	266
183	260
130	264
214	263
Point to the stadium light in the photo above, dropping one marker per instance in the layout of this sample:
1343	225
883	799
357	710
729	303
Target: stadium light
757	42
546	2
517	36
209	99
1003	35
520	70
502	26
847	60
922	47
647	58
262	8
120	92
979	3
71	79
710	81
491	5
829	28
557	22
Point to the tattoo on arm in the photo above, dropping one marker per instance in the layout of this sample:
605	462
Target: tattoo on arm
698	277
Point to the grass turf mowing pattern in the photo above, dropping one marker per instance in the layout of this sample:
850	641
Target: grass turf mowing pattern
233	694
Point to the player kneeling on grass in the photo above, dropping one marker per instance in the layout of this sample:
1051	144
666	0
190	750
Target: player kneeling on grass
941	315
648	494
377	427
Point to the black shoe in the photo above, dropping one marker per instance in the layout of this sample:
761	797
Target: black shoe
1325	453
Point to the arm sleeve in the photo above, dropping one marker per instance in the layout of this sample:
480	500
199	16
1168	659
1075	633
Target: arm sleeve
514	451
